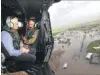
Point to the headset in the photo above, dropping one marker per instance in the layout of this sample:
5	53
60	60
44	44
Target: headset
10	24
34	20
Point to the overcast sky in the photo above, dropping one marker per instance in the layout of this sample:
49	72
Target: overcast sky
68	12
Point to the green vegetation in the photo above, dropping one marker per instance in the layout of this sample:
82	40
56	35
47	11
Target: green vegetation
85	28
95	43
80	27
59	30
55	33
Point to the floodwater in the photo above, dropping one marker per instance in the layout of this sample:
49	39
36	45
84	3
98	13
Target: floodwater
73	52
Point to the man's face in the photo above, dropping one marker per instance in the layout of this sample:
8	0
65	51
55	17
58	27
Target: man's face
14	21
31	24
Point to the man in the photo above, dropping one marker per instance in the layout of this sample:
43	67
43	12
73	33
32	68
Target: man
31	35
11	40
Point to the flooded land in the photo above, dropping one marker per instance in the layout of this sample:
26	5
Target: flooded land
71	47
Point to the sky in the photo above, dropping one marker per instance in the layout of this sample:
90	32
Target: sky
66	13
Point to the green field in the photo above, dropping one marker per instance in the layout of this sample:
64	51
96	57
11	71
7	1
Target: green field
95	43
58	30
89	25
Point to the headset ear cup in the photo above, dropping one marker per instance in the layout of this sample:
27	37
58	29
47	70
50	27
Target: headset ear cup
20	24
8	22
11	25
35	25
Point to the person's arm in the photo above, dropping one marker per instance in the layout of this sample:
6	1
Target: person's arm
7	40
31	40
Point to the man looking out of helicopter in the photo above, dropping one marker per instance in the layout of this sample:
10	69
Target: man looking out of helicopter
30	37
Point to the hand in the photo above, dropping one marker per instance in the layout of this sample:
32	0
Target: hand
25	46
27	51
24	50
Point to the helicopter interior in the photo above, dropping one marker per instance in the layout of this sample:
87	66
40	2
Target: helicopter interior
25	9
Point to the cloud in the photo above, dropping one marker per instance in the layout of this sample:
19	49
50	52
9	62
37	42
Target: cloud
67	12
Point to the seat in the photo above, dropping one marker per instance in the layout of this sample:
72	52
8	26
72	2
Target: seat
9	60
4	51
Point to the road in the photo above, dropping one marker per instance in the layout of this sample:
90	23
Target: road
74	54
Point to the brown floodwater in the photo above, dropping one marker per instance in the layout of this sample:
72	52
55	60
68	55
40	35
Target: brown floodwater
73	52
